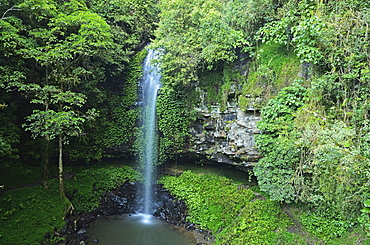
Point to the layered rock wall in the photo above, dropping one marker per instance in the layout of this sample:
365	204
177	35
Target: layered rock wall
227	136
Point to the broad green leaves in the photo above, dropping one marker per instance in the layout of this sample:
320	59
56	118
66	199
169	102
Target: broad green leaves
53	123
276	169
10	39
193	35
366	209
67	40
309	158
300	28
58	116
307	36
316	151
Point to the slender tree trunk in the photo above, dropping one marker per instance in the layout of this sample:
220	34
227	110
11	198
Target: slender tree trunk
46	163
46	160
61	182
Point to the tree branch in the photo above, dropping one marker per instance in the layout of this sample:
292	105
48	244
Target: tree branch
11	9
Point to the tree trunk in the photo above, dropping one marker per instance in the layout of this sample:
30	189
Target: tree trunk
46	163
61	182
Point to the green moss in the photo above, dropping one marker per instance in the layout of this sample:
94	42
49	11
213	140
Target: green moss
218	84
211	82
17	174
86	188
27	214
273	68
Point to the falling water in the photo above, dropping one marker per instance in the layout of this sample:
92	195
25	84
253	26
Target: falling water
143	227
148	158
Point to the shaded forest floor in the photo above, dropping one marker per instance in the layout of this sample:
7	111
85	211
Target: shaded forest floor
29	212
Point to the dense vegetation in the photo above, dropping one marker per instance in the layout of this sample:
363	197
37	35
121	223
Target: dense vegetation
69	69
29	213
69	73
308	71
68	91
231	213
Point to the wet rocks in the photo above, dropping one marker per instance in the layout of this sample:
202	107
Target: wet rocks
227	136
170	209
122	201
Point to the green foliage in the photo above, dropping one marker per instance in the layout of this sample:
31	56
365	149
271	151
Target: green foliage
276	169
325	225
319	154
122	109
9	134
213	202
70	35
118	124
115	128
315	150
273	68
354	236
366	209
279	112
18	174
87	187
132	24
216	203
60	120
307	35
27	214
194	35
201	34
365	218
260	222
248	16
277	144
173	122
174	105
305	161
219	84
338	170
299	27
78	46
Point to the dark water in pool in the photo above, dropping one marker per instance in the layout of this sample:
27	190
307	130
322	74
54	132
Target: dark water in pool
138	229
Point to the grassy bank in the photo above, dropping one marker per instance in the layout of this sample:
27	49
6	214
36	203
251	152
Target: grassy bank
28	213
237	216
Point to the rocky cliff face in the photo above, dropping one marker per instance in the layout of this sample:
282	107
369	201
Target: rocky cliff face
227	136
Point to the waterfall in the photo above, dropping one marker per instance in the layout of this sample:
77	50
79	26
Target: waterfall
150	85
